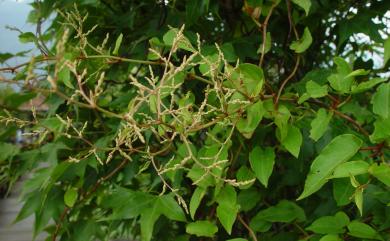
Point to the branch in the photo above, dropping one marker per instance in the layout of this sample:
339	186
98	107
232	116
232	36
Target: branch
265	33
251	233
285	82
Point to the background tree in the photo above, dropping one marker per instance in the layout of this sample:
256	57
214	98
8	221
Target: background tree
258	120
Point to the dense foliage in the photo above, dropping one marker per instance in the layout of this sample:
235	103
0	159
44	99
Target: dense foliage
202	120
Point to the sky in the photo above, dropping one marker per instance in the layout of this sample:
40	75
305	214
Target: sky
14	13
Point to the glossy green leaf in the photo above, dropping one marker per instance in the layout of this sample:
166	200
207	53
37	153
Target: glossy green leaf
27	37
254	114
313	90
339	80
118	43
303	43
350	168
282	116
358	72
330	224
342	191
196	198
183	43
381	130
284	212
362	230
305	4
367	85
244	174
293	141
237	239
331	237
160	205
70	197
339	150
320	124
227	207
262	162
381	172
247	78
32	204
358	198
247	199
381	101
64	77
202	228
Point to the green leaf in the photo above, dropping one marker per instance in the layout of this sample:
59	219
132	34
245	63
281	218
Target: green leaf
285	212
282	115
27	37
172	35
206	67
237	239
202	229
247	199
362	230
172	84
262	162
64	77
320	124
15	100
227	207
127	203
313	90
358	198
268	44
254	114
303	43
247	78
331	237
381	130
338	151
31	204
386	55
259	225
244	174
148	218
367	85
7	150
118	43
5	56
350	168
195	200
293	141
381	172
161	205
196	9
381	101
70	197
341	81
305	4
342	191
330	224
358	72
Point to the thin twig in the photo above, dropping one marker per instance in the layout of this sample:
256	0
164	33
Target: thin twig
265	24
251	232
354	122
285	82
